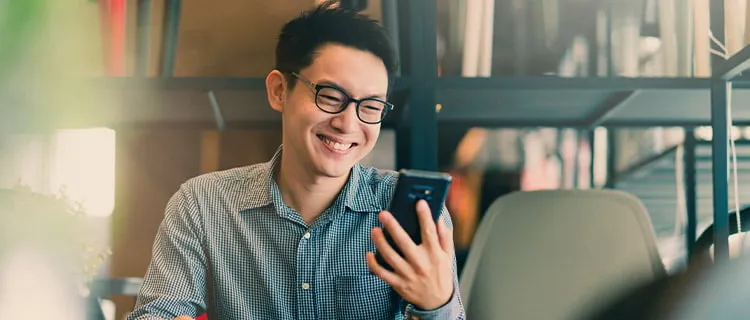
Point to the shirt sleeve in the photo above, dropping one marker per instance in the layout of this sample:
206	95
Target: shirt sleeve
175	281
454	308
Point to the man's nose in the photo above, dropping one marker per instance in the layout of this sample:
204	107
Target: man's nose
347	120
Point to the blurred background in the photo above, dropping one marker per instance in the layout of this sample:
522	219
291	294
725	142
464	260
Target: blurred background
121	153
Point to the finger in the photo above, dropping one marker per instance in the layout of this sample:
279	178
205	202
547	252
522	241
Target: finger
397	263
426	224
183	318
399	235
446	237
389	277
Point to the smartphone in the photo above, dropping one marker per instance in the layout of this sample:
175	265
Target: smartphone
412	186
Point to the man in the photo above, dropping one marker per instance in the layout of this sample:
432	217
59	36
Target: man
294	238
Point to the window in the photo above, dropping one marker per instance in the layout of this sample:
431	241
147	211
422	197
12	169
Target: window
83	166
81	162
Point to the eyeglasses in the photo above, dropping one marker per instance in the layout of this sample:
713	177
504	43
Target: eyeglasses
333	100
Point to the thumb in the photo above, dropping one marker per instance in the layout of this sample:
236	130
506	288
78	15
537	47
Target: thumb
183	318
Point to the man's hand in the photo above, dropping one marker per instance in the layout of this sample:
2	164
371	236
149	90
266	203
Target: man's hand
424	276
183	318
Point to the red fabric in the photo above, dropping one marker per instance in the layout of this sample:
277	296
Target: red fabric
117	31
113	20
459	195
202	317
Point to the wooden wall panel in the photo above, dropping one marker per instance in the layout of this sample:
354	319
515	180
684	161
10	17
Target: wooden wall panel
150	166
240	148
236	37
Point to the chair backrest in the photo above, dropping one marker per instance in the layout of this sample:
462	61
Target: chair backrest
105	287
116	286
556	254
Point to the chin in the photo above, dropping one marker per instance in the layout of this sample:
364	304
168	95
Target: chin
334	166
334	170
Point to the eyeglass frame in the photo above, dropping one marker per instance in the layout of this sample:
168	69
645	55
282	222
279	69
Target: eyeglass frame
316	87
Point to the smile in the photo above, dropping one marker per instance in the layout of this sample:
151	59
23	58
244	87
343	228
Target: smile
335	145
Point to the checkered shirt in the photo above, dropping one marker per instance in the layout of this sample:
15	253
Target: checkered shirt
229	245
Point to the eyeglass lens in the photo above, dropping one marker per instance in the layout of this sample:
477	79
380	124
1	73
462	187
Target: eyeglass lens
333	101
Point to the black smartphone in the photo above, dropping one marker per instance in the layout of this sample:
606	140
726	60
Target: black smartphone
412	186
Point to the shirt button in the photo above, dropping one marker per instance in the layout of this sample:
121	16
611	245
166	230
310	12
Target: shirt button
305	286
307	235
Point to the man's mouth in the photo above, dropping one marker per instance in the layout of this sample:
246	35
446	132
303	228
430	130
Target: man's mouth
334	144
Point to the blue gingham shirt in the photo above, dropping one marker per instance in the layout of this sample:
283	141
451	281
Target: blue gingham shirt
228	244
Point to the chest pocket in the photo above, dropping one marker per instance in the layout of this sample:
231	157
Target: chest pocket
362	297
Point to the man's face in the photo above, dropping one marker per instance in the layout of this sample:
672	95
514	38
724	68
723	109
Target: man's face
330	144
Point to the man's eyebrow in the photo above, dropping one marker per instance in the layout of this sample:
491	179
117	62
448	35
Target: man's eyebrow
332	83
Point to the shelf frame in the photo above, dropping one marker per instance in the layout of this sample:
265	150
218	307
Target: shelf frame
419	89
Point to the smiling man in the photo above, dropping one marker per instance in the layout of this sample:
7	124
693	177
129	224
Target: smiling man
293	238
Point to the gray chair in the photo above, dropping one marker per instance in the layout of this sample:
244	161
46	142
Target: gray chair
558	254
102	288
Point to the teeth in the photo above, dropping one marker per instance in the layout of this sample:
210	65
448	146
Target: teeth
336	145
339	146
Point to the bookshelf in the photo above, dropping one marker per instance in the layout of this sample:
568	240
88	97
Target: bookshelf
529	101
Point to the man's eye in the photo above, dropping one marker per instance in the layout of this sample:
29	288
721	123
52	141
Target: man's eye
330	99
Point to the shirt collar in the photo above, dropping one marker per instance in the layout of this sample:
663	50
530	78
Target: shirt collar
258	188
359	193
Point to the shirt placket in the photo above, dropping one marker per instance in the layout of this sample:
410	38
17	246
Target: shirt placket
305	277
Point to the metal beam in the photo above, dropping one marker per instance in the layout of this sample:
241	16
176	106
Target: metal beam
716	10
733	68
562	84
650	123
720	90
403	132
740	142
420	136
610	56
207	84
143	38
592	156
612	154
208	124
567	123
389	10
608	107
180	84
510	123
691	190
170	34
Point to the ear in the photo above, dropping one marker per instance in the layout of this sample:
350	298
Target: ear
276	89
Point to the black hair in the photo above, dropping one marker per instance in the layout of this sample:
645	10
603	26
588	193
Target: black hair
327	23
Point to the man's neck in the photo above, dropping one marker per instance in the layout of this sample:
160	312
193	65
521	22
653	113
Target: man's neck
304	192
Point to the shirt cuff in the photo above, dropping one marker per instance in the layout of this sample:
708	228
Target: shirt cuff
447	311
